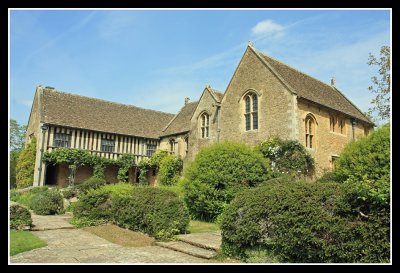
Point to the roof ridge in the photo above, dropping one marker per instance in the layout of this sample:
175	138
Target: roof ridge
107	101
352	104
295	69
313	78
174	117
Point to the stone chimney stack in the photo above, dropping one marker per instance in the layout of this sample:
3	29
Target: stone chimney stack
186	100
333	82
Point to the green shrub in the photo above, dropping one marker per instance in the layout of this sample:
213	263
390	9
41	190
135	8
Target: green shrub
287	156
217	174
303	222
328	176
365	164
47	202
170	168
94	207
91	183
26	165
157	212
20	217
70	193
25	198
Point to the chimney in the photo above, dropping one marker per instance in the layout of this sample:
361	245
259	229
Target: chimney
333	82
186	100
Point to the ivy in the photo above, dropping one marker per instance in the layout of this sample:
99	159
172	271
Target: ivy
168	165
78	157
25	165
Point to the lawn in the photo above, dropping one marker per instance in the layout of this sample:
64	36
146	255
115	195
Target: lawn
199	226
21	241
120	236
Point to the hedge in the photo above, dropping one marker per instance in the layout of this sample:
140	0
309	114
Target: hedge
157	212
303	222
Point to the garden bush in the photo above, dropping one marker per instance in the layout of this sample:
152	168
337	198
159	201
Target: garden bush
26	165
303	222
217	174
20	217
25	198
157	212
94	207
69	193
91	183
287	156
47	202
365	164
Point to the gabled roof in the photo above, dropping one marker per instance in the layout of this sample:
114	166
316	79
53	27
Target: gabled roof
181	122
312	89
216	94
94	114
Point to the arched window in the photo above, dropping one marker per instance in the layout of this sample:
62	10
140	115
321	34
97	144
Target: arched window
251	112
172	146
205	125
310	132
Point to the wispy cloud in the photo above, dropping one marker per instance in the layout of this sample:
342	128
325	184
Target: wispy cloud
115	23
27	102
267	27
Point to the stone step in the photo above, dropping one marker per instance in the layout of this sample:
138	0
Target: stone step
188	249
207	240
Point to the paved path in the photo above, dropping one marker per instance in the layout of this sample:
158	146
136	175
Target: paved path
66	245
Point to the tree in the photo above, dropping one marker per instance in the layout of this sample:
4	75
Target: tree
26	165
17	140
17	135
381	85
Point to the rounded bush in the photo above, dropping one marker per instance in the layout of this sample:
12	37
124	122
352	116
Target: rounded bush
302	222
20	217
365	164
217	174
157	212
47	202
287	156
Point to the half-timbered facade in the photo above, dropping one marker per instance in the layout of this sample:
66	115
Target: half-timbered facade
105	129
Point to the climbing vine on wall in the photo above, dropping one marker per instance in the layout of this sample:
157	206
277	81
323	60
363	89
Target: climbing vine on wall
169	167
78	157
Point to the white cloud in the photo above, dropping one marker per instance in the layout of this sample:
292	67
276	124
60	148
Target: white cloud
267	27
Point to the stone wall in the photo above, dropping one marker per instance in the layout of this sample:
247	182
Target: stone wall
275	103
111	173
207	104
326	143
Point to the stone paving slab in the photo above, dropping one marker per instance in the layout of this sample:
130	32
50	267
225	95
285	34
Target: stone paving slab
79	246
189	249
49	222
208	240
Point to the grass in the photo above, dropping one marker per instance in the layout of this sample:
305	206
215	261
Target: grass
199	226
21	241
120	236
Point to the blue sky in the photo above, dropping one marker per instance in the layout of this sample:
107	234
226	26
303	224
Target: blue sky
153	59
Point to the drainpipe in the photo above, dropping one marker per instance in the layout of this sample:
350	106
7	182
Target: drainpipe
44	128
353	124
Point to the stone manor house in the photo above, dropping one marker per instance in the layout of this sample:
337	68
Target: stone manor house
263	98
